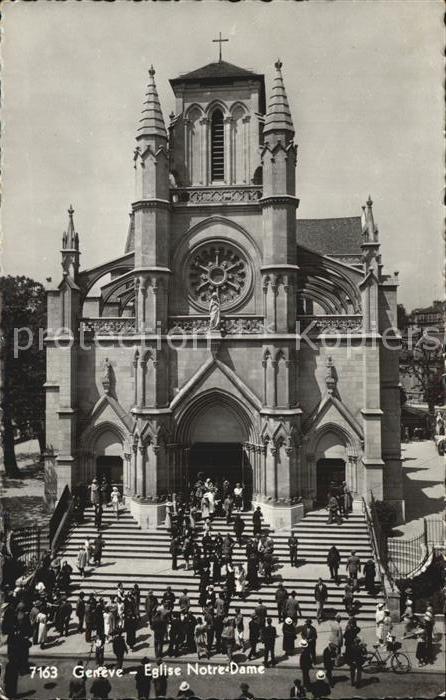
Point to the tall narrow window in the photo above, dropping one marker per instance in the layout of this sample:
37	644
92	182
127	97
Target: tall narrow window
217	146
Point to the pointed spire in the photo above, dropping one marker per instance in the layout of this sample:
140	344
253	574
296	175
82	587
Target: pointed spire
151	122
70	239
278	115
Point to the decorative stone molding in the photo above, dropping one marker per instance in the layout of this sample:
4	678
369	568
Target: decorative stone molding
108	326
199	325
216	195
331	324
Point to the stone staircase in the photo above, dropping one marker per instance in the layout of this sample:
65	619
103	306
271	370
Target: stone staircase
134	555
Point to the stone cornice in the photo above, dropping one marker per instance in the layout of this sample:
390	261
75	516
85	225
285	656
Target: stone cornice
151	204
270	200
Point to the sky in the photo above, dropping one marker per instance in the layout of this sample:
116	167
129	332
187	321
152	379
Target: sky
365	85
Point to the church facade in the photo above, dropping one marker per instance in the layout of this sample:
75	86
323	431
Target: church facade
231	337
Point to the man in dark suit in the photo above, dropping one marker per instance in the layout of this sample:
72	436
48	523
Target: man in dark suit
320	596
269	640
292	546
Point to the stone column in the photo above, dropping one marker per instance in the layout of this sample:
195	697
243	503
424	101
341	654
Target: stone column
140	471
127	476
204	150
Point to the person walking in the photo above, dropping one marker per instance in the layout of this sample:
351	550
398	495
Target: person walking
428	627
261	613
281	597
115	500
310	635
159	627
305	663
329	659
336	635
200	636
98	516
379	619
351	631
142	681
289	635
42	634
293	544
356	659
239	526
292	607
159	680
82	560
100	689
228	636
254	636
119	647
257	521
353	568
320	596
387	625
369	574
269	641
333	562
98	546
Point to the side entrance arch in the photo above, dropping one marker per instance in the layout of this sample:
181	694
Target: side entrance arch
331	456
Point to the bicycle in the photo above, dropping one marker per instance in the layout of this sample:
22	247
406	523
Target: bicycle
399	661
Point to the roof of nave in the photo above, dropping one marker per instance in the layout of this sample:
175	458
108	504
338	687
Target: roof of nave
341	236
216	71
325	236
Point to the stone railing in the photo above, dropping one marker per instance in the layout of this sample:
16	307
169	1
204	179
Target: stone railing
341	323
229	325
216	195
108	325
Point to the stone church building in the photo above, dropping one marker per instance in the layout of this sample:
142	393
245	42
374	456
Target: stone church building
230	337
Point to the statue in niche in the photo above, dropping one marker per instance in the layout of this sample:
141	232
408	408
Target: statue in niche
214	312
107	376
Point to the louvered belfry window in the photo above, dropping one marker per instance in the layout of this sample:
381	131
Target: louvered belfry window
217	146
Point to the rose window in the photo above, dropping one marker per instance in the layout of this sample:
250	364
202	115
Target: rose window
220	268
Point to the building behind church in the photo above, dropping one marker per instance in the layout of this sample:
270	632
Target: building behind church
286	385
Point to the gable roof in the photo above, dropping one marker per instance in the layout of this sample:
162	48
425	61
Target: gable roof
219	69
342	236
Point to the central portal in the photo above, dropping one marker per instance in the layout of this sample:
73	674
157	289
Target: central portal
216	433
217	460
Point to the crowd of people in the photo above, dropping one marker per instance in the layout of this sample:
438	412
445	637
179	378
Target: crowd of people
222	626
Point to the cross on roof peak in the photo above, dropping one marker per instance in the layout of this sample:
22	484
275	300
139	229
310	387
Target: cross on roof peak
219	41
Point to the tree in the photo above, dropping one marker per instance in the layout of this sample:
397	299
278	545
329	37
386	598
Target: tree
23	364
403	317
422	359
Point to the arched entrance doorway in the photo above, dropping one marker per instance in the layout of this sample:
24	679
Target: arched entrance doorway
217	429
331	458
109	455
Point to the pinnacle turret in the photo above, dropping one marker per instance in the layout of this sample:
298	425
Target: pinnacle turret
369	229
70	239
151	123
278	116
70	248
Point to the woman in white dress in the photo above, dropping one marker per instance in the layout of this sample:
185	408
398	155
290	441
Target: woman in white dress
379	619
238	497
211	500
109	622
204	507
115	498
240	580
42	629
